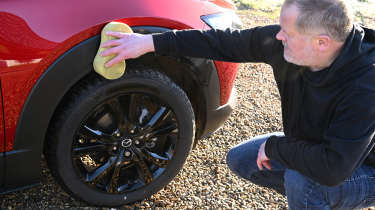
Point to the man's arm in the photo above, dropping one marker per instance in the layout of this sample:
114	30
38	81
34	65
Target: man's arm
346	143
250	45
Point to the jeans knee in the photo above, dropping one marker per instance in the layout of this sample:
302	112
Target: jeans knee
241	163
242	158
302	192
232	161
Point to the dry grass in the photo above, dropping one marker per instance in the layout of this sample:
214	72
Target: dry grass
364	10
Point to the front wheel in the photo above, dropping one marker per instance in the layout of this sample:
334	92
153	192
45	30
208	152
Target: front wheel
115	142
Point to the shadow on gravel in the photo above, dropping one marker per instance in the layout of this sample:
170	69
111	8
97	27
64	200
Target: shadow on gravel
49	195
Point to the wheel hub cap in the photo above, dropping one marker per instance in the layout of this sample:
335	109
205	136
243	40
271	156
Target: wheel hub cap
126	142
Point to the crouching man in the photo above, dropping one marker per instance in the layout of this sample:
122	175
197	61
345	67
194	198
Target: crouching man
324	67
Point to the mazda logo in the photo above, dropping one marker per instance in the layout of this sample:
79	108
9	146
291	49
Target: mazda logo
126	143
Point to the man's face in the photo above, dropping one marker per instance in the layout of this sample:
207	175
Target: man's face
297	46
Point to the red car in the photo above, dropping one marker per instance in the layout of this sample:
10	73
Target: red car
107	142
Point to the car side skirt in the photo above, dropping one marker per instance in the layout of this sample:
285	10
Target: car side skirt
2	170
17	161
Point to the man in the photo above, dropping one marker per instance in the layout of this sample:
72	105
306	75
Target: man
324	67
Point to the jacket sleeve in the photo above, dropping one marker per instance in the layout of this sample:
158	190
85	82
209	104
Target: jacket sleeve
345	144
250	45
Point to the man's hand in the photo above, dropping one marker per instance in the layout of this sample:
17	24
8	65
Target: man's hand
127	46
262	159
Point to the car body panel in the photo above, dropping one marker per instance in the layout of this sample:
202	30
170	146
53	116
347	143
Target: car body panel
36	36
20	75
56	21
35	43
2	141
15	88
33	123
227	74
2	133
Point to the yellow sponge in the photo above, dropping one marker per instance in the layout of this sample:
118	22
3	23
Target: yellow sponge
117	70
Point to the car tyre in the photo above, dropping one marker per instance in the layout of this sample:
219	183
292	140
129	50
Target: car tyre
114	142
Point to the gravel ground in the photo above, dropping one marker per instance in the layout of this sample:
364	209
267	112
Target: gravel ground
205	181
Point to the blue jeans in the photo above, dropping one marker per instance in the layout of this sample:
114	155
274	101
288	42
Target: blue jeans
357	191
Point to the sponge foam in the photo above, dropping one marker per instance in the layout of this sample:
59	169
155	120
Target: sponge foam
117	70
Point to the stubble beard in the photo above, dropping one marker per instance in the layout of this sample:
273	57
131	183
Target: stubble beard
291	59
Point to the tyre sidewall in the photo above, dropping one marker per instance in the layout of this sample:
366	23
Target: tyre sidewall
90	99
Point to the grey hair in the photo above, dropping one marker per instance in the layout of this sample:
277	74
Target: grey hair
333	17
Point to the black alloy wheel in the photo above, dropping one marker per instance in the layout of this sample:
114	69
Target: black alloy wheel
116	152
116	142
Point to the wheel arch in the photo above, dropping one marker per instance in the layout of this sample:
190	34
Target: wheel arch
64	73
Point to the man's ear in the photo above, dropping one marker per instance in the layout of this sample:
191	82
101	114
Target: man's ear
322	42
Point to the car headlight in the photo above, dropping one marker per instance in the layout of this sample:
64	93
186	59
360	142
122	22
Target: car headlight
222	21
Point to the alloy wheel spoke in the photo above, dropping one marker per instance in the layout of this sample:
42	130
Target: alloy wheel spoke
112	186
88	149
101	171
143	169
130	186
156	159
165	130
145	172
123	187
127	185
157	118
153	157
96	134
